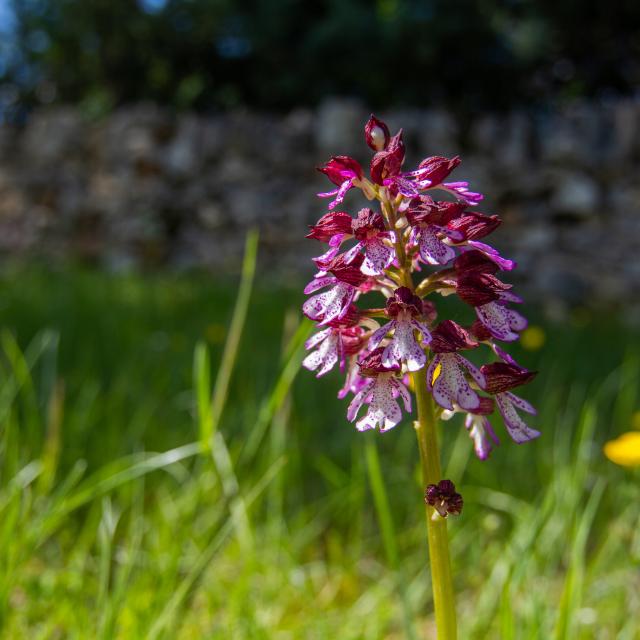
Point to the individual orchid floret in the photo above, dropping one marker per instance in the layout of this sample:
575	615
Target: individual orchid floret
445	375
435	170
444	498
332	224
333	345
477	285
376	134
429	175
430	232
376	241
343	171
477	424
404	308
333	228
501	378
503	323
334	304
473	225
386	164
482	434
380	393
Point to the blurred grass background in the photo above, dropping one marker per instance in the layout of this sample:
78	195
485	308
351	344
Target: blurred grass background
125	514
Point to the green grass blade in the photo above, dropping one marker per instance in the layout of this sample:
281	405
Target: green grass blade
385	519
279	392
574	584
167	617
202	386
235	333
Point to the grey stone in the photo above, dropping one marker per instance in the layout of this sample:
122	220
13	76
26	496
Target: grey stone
147	187
576	194
339	126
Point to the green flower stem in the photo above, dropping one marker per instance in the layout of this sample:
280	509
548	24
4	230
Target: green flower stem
441	581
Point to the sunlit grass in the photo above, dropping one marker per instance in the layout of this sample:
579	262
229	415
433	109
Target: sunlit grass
115	521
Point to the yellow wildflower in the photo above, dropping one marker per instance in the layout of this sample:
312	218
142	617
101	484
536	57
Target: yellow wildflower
624	450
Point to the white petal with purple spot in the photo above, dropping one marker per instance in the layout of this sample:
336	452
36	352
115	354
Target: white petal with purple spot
518	430
476	374
350	255
451	385
326	356
379	335
359	399
423	329
482	434
500	321
378	257
384	411
520	403
404	348
319	283
403	392
316	339
330	305
432	249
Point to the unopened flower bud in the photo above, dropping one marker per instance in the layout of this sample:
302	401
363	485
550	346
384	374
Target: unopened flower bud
443	498
376	134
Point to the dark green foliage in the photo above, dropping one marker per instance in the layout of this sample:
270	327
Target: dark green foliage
277	54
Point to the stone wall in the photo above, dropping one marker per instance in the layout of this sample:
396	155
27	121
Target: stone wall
146	188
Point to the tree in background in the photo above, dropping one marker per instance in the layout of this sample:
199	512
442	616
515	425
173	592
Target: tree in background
276	54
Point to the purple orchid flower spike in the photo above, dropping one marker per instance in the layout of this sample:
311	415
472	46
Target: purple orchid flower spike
380	393
445	375
501	377
334	303
404	308
376	241
411	229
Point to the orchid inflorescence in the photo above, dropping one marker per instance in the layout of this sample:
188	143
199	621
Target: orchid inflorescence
423	226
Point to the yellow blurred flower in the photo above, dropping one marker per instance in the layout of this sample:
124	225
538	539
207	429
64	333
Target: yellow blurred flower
532	338
624	450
